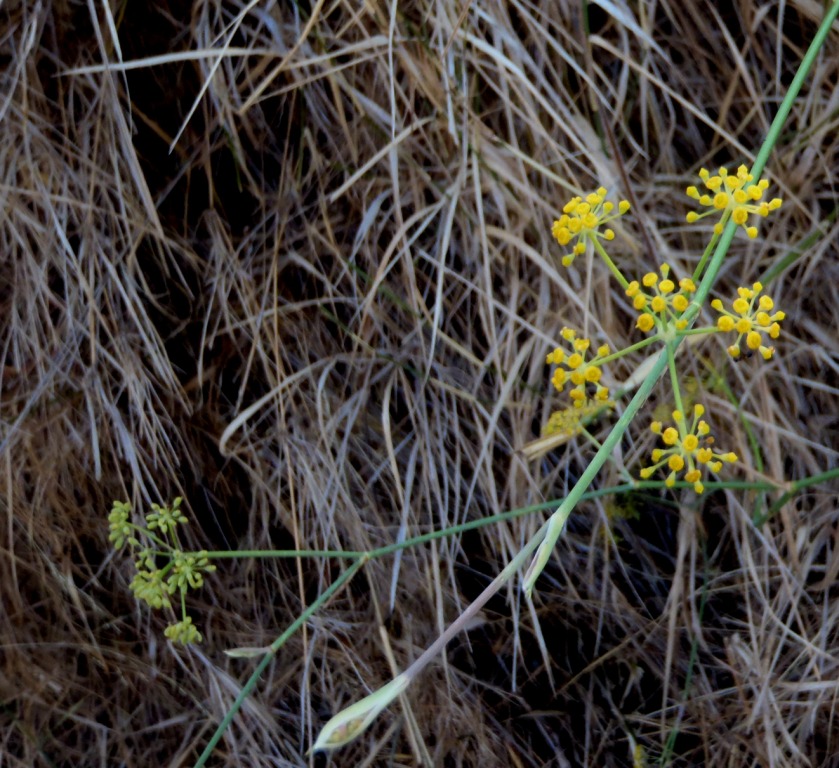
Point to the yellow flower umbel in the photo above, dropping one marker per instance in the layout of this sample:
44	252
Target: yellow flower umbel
727	194
662	304
750	321
577	369
688	449
581	220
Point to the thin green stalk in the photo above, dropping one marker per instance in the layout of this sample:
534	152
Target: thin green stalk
703	331
637	347
232	554
794	488
609	263
794	89
472	525
674	378
697	273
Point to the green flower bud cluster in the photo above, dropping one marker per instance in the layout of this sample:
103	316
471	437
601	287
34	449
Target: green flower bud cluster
163	569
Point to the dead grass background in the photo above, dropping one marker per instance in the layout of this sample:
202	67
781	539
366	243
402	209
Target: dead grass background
322	318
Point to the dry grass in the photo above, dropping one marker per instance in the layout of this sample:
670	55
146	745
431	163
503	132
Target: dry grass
323	319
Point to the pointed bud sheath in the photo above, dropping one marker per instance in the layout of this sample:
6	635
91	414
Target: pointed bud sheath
247	653
353	721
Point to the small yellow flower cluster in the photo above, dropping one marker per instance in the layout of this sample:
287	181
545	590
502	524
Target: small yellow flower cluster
569	421
728	195
750	321
664	303
581	219
687	449
577	369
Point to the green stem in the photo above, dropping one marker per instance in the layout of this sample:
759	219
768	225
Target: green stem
232	554
705	330
609	263
794	88
795	487
472	525
697	273
674	378
151	536
628	351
